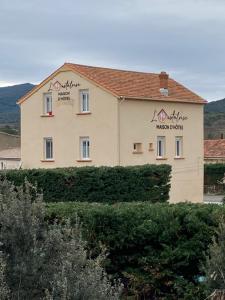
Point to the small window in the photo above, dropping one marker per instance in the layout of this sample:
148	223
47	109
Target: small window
48	104
161	151
137	148
178	146
48	148
84	148
150	147
84	101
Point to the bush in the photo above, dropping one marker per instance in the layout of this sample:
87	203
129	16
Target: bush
157	249
99	184
213	173
44	260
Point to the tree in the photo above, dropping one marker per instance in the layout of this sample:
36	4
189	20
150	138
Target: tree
45	260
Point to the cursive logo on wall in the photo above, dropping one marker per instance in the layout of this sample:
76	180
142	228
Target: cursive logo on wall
57	86
163	116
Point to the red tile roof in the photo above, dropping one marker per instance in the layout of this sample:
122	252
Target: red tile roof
127	84
214	148
139	85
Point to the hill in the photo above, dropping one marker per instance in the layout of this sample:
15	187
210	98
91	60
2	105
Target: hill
214	119
9	110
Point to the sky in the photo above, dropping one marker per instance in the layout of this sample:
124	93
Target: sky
185	38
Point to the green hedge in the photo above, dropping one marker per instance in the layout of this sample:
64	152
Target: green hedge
157	249
99	184
213	173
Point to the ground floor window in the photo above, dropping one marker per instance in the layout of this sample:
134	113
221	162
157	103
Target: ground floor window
85	148
178	146
48	148
161	146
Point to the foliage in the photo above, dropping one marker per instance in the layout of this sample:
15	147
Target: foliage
215	261
45	259
4	290
99	184
213	173
157	249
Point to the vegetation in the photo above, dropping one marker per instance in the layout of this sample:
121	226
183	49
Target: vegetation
156	249
213	173
215	262
43	261
99	184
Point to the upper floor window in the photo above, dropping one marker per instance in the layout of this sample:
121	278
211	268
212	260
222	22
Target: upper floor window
161	146
178	146
48	104
85	148
84	101
48	148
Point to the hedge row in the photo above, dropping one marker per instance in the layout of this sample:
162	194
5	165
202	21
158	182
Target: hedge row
157	249
99	184
213	173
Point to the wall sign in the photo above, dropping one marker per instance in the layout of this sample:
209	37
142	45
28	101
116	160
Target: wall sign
63	89
164	120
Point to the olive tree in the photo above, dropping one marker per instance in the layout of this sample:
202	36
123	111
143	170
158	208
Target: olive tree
45	260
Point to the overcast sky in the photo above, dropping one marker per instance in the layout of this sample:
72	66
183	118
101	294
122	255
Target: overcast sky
186	38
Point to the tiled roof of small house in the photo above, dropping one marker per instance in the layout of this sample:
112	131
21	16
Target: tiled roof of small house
214	148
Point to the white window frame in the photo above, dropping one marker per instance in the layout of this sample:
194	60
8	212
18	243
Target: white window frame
46	140
84	101
48	103
178	146
85	148
161	146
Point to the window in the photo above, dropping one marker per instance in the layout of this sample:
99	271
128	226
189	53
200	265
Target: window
48	104
48	148
84	148
161	151
84	101
150	147
137	148
178	146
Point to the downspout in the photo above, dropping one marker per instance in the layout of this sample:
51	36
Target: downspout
120	101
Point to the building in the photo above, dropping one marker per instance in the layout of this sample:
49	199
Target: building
214	151
10	159
82	116
9	141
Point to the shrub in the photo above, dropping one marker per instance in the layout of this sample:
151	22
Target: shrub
215	262
213	173
42	258
99	184
157	249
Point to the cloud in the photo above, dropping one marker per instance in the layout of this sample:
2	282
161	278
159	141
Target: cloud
182	37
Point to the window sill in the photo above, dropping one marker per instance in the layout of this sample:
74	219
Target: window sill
84	160
47	116
150	149
179	157
137	152
84	113
47	160
161	158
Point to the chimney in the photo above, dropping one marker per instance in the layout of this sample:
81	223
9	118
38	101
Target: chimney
163	83
221	136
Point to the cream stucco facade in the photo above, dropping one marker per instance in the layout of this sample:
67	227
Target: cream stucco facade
113	125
